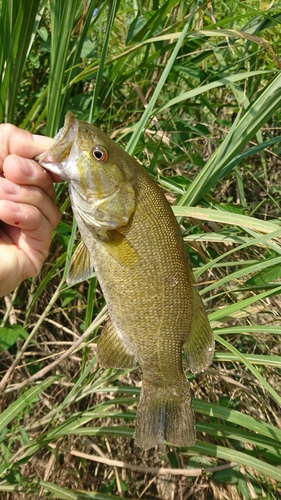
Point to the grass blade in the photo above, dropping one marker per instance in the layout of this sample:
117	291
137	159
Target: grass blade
24	401
149	109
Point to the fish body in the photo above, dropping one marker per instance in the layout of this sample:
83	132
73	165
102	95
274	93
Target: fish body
132	240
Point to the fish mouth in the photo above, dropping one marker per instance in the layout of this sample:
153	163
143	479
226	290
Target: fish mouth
53	158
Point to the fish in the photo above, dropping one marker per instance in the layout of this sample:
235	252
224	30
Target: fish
132	240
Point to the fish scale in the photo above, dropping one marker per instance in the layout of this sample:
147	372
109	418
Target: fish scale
132	240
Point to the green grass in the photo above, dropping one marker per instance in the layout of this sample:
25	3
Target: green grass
193	92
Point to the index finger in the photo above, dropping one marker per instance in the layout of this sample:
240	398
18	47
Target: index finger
26	172
20	142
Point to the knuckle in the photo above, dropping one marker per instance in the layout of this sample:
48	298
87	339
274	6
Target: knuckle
7	128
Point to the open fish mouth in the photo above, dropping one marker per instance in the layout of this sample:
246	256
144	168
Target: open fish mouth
53	158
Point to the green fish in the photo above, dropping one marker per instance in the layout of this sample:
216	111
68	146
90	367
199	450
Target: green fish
133	241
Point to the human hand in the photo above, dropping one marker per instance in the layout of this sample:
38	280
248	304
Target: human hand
28	214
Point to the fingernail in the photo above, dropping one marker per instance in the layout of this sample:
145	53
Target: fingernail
26	166
42	140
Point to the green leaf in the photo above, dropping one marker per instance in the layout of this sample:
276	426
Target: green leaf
64	232
198	461
17	25
229	476
150	107
242	131
43	33
249	365
24	401
173	459
10	334
62	19
135	27
265	276
238	457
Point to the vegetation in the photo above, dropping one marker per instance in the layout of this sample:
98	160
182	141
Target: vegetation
193	90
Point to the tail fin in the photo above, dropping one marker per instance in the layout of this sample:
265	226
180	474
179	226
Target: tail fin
165	413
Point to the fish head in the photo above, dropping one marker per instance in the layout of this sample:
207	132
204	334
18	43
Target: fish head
101	182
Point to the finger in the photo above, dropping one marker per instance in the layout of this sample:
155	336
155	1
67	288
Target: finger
13	272
30	248
35	229
26	196
21	142
27	172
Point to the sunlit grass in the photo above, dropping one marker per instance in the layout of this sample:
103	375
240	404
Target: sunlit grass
194	93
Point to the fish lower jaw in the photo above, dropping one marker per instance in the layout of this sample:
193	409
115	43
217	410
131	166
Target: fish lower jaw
47	161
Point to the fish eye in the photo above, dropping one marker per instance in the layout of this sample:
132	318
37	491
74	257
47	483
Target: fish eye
100	154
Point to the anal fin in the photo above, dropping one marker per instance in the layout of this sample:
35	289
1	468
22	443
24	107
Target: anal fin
111	350
200	345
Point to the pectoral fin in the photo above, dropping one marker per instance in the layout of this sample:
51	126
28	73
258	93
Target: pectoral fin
119	247
199	346
80	267
111	350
